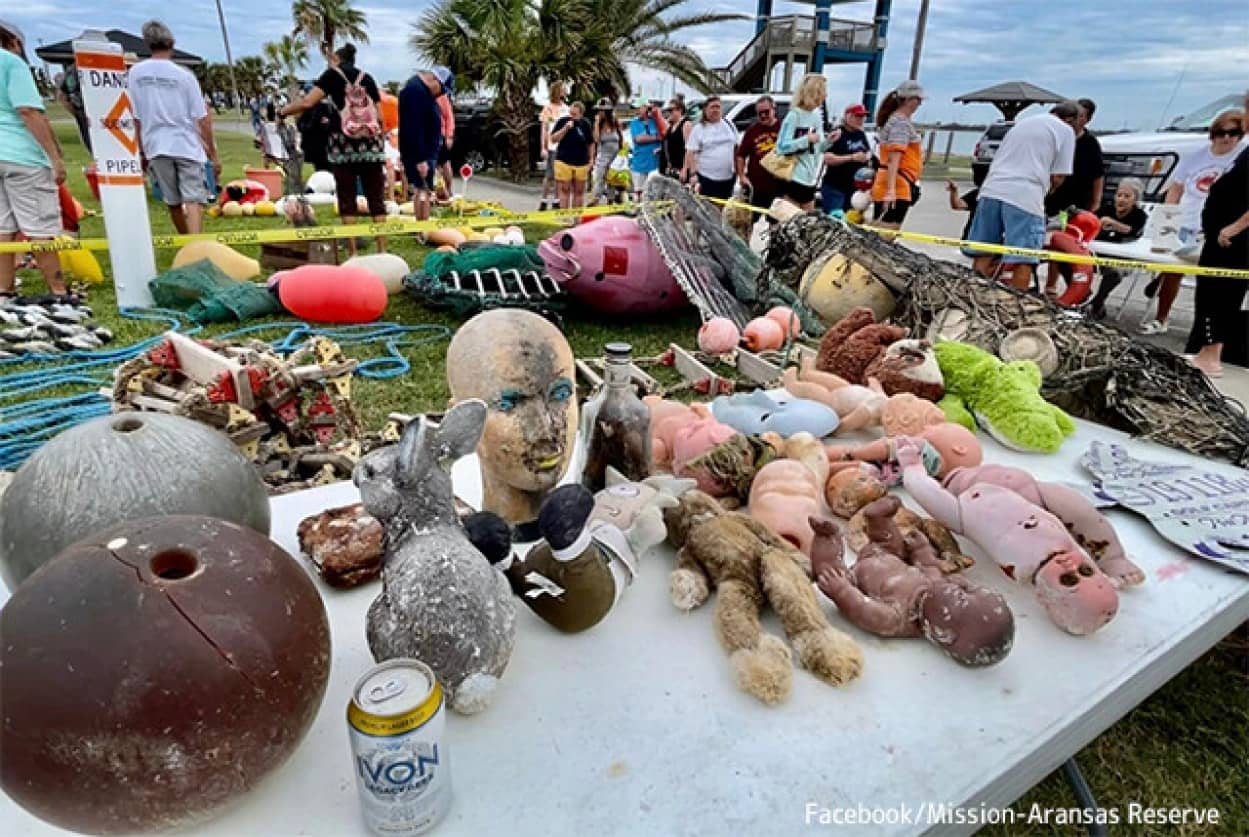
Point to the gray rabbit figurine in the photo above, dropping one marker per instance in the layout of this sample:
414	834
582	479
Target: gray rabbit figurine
441	602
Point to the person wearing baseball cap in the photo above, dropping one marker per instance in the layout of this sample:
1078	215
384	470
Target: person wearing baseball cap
31	167
848	153
896	186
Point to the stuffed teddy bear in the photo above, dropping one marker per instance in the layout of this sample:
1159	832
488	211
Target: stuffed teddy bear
1004	398
849	347
750	565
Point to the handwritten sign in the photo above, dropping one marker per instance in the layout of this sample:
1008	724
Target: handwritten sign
1202	509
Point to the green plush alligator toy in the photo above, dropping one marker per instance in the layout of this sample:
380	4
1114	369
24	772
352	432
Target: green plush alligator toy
1004	398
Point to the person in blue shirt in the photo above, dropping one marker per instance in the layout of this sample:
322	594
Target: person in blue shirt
647	131
802	136
30	165
420	131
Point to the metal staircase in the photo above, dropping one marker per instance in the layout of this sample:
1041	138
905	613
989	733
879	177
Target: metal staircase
791	40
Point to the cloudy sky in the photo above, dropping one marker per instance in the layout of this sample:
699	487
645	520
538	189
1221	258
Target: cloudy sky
1143	61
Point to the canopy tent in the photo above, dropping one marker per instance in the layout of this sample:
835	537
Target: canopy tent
62	52
1010	97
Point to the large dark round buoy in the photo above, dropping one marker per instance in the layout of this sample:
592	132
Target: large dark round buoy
122	467
156	671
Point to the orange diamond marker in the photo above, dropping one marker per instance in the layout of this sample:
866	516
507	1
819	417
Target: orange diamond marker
120	123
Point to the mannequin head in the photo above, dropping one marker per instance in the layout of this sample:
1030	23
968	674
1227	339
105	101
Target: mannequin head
522	367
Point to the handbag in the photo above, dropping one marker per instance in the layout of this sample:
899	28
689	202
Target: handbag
915	190
780	166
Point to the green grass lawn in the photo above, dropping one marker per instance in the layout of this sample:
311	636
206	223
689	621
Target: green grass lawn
1187	746
424	388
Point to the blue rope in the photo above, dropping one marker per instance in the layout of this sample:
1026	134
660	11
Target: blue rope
26	426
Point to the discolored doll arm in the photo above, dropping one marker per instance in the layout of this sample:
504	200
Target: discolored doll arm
872	615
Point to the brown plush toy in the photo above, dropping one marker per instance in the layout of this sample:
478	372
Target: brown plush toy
850	346
908	366
750	565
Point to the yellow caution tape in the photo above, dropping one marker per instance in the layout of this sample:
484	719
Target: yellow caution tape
286	234
1043	255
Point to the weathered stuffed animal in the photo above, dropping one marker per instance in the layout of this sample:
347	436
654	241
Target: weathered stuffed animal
908	366
637	508
1031	545
895	589
1086	524
850	346
750	566
786	492
441	601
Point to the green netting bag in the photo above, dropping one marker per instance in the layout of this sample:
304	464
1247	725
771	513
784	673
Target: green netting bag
499	257
208	295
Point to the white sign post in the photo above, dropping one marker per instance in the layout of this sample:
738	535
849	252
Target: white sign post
114	141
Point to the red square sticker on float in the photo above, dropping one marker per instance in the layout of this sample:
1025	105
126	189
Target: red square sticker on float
615	260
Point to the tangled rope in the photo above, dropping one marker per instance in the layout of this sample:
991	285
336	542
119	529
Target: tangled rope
27	425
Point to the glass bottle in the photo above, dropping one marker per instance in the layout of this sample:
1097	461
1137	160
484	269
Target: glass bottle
618	424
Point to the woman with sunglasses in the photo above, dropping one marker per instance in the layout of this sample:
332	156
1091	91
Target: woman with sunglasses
1218	320
1188	187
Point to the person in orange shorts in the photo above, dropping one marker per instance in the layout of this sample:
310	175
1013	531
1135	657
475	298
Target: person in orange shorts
574	137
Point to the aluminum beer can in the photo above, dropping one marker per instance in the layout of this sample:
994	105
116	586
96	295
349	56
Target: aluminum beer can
396	722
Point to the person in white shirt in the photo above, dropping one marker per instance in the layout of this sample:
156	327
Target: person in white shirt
1033	159
1188	185
174	129
709	153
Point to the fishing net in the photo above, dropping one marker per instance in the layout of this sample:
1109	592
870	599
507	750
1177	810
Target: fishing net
208	295
712	264
1103	373
478	278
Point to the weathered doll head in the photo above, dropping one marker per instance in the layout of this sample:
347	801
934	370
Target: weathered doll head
522	367
694	506
973	625
851	489
956	444
1075	593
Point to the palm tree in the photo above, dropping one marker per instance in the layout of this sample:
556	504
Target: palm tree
251	73
325	22
287	55
508	46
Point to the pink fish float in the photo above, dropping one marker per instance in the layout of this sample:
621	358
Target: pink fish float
611	265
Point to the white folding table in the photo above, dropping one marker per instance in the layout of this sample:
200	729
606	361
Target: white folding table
636	727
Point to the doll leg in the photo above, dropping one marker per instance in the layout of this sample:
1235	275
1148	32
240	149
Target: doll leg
1092	531
952	557
761	662
822	650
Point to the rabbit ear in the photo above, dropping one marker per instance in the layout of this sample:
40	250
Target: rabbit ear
461	428
410	445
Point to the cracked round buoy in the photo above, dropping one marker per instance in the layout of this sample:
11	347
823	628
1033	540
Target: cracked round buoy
122	467
155	672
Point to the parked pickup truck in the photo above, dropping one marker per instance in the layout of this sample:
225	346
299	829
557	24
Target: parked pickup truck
1152	156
